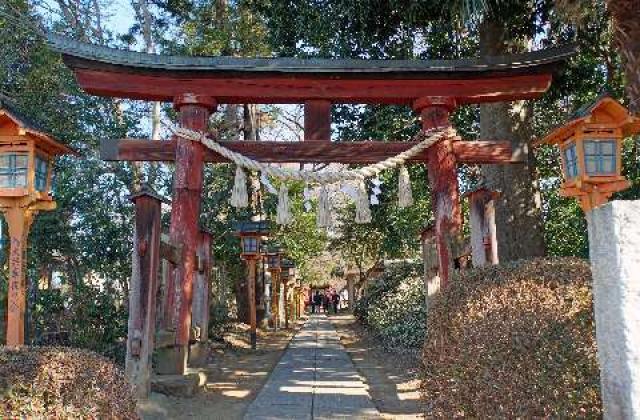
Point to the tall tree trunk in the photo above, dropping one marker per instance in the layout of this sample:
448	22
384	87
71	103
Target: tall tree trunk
231	122
146	21
251	132
626	18
518	209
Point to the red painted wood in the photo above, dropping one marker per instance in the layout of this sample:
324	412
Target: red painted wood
185	213
434	110
445	196
317	120
364	152
493	88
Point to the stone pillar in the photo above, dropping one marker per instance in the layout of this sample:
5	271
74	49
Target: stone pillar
142	291
194	111
19	221
614	248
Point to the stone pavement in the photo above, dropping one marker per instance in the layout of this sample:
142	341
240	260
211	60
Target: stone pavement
315	379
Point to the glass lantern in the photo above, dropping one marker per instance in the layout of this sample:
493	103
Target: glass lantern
22	172
250	244
251	234
273	260
600	157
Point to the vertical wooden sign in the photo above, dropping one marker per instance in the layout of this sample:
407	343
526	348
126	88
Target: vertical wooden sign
19	221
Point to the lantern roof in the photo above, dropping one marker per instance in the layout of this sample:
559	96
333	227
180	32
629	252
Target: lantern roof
260	227
148	191
481	188
9	114
273	248
285	263
604	110
428	231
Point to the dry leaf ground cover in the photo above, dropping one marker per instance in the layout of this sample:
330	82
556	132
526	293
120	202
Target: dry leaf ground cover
62	383
516	340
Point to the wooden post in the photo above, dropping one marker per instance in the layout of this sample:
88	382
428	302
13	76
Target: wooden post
287	312
275	295
296	303
443	178
198	354
200	308
484	244
430	260
476	222
185	213
19	221
142	291
251	296
490	221
317	120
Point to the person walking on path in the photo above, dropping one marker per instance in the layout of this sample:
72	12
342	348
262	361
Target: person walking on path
317	299
335	298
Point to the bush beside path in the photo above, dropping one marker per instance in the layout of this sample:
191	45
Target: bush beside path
62	383
515	340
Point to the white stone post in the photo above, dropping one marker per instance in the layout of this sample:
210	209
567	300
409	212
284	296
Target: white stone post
614	247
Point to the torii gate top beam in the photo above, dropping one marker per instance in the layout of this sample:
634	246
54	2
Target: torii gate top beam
119	73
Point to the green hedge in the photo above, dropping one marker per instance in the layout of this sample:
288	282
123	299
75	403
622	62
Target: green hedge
393	308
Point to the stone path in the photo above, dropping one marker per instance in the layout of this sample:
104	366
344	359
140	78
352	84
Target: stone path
315	379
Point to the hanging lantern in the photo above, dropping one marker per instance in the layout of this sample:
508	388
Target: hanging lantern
591	149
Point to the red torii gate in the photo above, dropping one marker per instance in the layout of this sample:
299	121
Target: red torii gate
196	85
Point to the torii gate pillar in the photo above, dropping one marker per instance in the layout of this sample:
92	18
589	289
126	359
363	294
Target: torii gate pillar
185	213
443	178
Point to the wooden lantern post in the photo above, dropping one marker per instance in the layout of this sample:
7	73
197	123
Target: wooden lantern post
251	234
274	257
293	313
591	151
286	275
26	170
